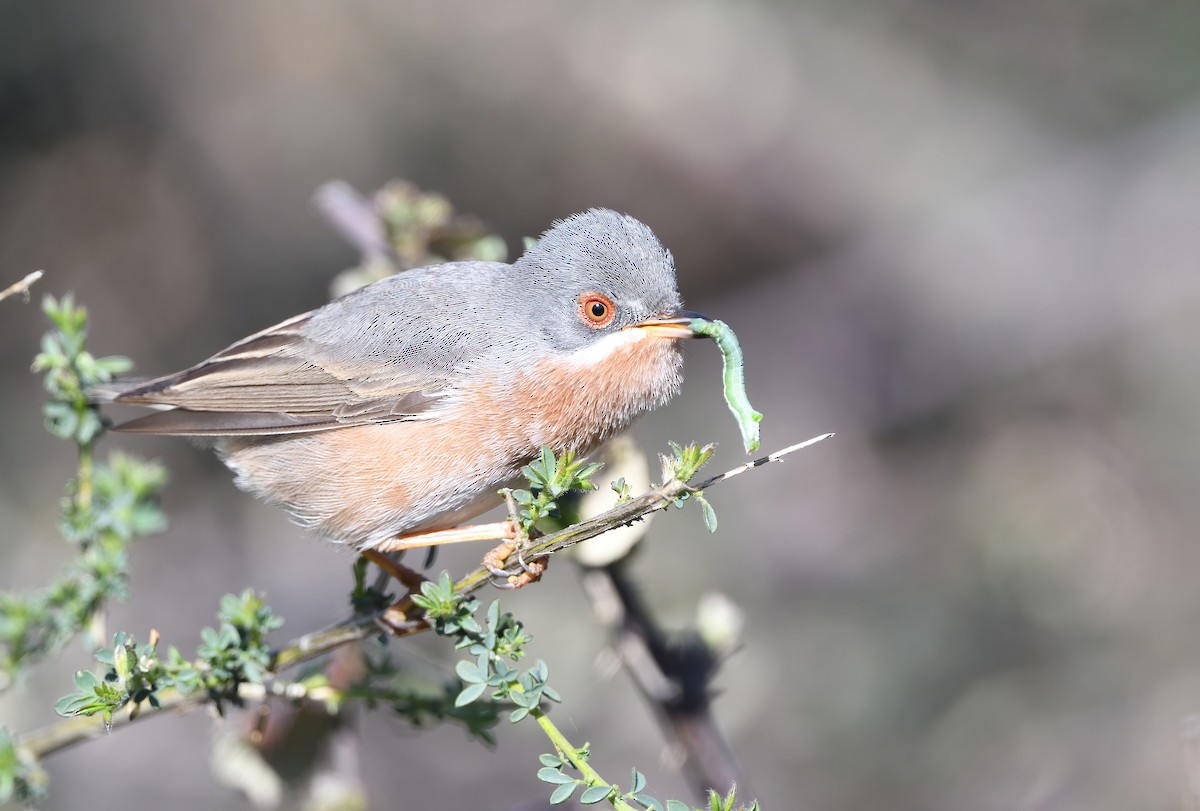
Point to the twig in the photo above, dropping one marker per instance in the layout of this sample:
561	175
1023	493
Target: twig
63	734
777	456
354	218
22	286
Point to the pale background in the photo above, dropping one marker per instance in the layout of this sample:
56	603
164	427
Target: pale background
963	235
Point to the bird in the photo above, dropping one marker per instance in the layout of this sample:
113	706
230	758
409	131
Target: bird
388	417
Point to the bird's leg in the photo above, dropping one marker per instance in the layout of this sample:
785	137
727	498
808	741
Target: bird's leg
397	613
478	532
403	575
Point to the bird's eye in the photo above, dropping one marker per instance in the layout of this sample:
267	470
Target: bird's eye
596	310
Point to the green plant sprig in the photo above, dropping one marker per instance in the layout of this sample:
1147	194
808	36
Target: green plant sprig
550	478
230	655
502	639
106	505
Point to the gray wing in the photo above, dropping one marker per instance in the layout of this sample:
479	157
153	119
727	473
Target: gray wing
384	353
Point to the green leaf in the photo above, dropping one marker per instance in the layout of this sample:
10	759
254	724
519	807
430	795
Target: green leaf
74	704
526	700
637	782
114	365
468	672
469	694
594	794
553	775
710	515
563	793
518	714
582	478
61	419
676	805
717	803
648	802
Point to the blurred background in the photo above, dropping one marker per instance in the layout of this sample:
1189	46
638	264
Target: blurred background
964	236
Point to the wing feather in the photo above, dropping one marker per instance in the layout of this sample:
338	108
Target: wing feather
278	382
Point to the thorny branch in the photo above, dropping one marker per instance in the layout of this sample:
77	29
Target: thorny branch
396	620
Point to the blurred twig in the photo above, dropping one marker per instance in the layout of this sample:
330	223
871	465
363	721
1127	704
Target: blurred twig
22	286
396	620
355	219
673	674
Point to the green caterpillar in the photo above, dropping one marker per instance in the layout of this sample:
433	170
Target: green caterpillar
735	380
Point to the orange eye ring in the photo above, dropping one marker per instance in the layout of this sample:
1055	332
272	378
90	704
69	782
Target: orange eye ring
596	309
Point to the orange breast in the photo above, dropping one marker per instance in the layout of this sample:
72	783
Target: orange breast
576	406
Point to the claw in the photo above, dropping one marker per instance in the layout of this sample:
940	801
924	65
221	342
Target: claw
494	562
534	569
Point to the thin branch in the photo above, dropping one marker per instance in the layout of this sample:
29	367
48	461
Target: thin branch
396	620
673	673
22	286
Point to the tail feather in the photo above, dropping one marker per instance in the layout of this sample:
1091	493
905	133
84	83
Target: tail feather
107	392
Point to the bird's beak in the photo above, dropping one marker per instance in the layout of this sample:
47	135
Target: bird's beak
675	325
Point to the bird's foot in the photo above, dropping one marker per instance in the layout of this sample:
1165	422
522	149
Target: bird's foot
531	571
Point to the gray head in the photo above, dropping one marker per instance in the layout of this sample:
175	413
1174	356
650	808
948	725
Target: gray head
595	274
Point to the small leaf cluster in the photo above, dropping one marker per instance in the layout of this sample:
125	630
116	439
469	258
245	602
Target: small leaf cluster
682	465
420	228
447	611
233	654
552	772
550	478
71	372
622	489
502	639
21	778
490	671
122	505
134	675
718	803
685	461
365	598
